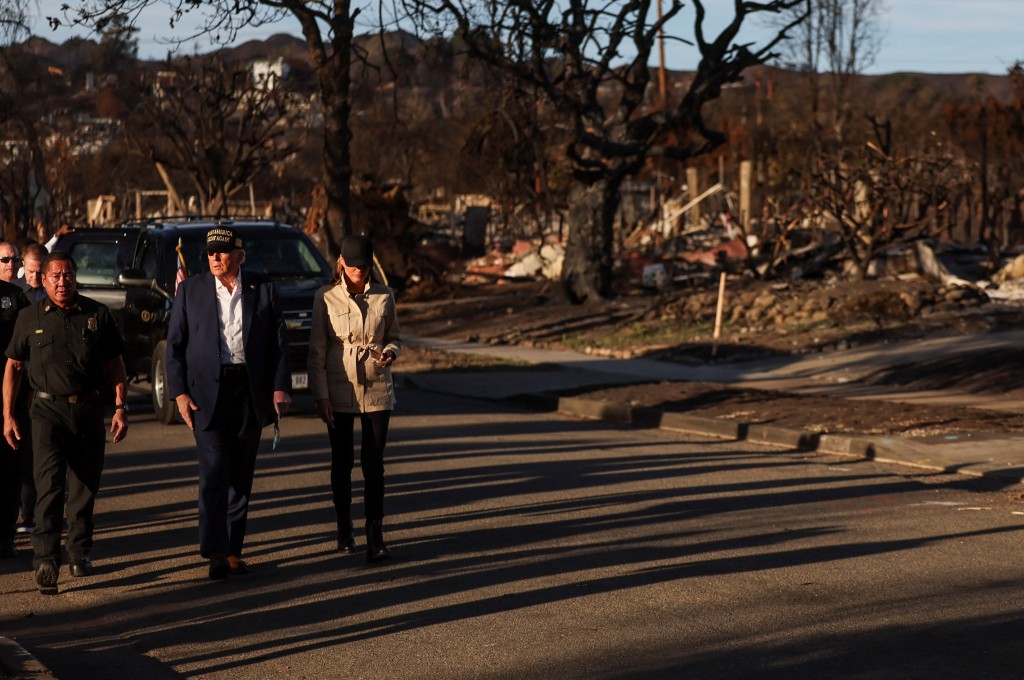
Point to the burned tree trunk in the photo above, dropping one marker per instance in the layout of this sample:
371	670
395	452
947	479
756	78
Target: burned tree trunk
587	272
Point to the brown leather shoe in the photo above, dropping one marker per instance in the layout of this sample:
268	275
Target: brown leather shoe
219	568
237	565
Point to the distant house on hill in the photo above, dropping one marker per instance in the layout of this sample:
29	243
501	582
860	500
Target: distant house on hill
267	73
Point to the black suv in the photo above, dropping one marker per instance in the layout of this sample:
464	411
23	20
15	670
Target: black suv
131	268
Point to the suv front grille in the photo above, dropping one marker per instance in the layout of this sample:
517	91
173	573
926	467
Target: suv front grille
298	320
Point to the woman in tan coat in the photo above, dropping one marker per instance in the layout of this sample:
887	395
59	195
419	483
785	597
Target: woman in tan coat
354	341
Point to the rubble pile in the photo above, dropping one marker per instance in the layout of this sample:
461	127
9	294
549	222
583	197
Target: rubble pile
788	306
524	259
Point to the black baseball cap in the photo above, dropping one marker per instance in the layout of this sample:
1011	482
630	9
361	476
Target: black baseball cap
222	240
357	251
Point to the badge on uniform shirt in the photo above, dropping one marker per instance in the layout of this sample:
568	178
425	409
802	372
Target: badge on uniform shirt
91	324
6	302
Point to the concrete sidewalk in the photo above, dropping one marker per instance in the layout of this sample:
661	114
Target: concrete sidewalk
837	374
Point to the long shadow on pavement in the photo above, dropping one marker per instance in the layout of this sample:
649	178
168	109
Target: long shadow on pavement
522	516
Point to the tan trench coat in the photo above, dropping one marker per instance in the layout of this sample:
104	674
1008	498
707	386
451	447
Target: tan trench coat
339	361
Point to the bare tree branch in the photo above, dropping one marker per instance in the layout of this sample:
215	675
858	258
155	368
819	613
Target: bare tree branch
216	126
589	59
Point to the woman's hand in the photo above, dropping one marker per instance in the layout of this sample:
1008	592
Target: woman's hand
323	409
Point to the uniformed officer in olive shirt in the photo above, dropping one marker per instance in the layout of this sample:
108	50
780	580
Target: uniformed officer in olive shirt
74	351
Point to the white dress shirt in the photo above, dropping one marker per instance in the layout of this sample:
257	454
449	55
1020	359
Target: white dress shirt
229	319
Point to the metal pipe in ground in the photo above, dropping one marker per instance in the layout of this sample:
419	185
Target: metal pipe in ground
718	314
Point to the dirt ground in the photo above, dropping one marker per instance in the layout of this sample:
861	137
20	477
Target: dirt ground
532	313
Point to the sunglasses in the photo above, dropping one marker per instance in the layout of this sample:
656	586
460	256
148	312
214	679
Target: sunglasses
7	260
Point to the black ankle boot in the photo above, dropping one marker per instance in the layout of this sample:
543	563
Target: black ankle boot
346	539
375	548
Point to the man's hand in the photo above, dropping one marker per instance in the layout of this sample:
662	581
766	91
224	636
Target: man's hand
12	383
11	432
282	400
119	425
185	408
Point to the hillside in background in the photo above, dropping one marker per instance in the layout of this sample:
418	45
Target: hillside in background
76	54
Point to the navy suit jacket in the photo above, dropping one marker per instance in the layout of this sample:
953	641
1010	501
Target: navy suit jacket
193	345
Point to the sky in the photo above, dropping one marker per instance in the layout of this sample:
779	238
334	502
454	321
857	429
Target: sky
928	36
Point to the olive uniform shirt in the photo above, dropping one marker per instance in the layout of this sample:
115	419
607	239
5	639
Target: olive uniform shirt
67	351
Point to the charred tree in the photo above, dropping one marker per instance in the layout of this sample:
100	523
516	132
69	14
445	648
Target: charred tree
589	61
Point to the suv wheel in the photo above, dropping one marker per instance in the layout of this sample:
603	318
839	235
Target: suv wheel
163	407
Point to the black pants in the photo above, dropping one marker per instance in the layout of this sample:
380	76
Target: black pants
28	482
17	483
10	490
227	463
371	458
68	442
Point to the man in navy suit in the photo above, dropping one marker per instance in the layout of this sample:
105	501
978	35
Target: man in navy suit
227	368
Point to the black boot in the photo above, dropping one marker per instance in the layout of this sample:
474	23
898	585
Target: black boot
375	548
346	539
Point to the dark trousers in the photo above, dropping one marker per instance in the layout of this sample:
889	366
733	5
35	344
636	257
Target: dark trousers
17	483
68	445
374	426
227	463
25	456
10	490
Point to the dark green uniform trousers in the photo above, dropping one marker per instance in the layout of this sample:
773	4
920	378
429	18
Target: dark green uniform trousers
68	444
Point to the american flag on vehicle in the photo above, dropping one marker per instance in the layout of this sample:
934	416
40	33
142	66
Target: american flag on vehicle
182	273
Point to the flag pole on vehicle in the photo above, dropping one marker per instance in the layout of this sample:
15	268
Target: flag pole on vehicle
182	272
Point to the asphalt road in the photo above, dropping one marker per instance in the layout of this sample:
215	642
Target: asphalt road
535	546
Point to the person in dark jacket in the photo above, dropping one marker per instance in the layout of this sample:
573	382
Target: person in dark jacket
14	462
227	368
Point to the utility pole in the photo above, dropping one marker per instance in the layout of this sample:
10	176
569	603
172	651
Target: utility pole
662	87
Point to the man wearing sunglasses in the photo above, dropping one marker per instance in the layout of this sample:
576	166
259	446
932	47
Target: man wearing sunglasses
227	369
10	262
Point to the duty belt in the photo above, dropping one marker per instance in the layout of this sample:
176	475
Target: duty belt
69	398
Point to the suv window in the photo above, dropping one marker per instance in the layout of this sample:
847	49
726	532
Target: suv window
96	262
279	257
282	257
148	259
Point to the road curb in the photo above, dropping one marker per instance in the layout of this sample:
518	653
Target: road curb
883	449
880	448
17	663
